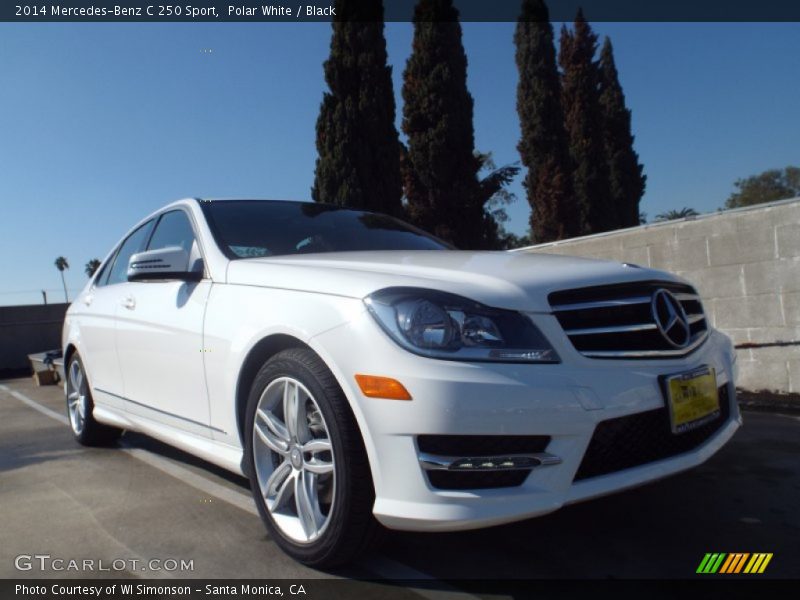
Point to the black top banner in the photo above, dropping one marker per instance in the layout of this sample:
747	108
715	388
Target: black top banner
402	11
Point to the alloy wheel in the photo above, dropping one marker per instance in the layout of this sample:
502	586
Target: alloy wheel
293	458
76	397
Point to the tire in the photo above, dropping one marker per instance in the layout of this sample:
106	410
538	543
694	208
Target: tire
309	476
80	405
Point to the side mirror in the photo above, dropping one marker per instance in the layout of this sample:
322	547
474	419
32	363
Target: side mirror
162	264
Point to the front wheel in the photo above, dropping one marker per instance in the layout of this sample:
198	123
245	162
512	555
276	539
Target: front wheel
306	460
86	430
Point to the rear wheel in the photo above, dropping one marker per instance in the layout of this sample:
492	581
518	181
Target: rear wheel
307	464
86	430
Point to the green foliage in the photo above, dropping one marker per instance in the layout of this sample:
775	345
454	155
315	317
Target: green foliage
626	181
672	215
91	267
769	186
440	169
496	197
509	241
583	121
543	145
62	264
359	151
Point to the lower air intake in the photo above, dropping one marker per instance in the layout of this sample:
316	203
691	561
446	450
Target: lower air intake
634	440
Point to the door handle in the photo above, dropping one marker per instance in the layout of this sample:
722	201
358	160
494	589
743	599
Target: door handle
129	302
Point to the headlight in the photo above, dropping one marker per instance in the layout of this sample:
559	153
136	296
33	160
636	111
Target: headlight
441	325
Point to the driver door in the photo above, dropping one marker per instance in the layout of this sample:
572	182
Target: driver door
160	338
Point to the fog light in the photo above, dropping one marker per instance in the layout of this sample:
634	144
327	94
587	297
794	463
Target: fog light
498	463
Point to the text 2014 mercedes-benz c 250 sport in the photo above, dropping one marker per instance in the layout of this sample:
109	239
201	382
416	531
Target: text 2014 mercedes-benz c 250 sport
360	371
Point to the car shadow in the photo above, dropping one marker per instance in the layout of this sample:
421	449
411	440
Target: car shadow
15	455
137	440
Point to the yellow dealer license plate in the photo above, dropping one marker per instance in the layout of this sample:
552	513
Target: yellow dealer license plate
692	399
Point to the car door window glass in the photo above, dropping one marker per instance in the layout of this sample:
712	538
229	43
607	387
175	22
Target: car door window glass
102	276
173	229
133	244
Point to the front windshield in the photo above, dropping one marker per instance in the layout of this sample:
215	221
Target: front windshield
253	228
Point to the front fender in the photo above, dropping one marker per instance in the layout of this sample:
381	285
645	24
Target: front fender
239	317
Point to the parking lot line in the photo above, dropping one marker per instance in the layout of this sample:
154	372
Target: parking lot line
383	567
211	488
35	405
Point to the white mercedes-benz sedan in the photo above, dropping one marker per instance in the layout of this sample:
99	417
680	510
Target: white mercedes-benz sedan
359	371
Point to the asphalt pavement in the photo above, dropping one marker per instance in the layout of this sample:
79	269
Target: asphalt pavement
142	501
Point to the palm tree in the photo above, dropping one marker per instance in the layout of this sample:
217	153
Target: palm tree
61	264
91	267
673	214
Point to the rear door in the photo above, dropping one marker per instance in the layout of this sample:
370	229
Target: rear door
97	310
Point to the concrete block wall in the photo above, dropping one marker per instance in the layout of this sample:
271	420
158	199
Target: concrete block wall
746	265
28	329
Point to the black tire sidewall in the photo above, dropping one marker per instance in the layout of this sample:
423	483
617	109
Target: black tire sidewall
308	369
93	433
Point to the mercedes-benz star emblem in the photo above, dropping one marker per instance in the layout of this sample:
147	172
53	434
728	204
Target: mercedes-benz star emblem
670	318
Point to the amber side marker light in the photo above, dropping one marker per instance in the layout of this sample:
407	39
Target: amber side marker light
387	388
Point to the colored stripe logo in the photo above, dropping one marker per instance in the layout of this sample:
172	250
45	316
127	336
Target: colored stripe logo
734	563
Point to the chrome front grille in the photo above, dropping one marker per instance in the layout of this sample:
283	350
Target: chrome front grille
620	321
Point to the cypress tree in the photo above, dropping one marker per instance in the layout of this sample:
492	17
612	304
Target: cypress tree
583	121
359	150
440	167
626	180
543	146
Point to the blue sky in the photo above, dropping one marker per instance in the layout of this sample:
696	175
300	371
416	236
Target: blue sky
102	123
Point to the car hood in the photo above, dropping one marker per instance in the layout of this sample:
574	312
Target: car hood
513	280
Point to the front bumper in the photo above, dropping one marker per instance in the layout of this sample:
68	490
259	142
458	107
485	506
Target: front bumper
565	402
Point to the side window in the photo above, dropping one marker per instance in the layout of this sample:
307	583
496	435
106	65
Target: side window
133	244
101	277
173	229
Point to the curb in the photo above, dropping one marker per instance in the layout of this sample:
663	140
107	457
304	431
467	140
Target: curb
766	401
